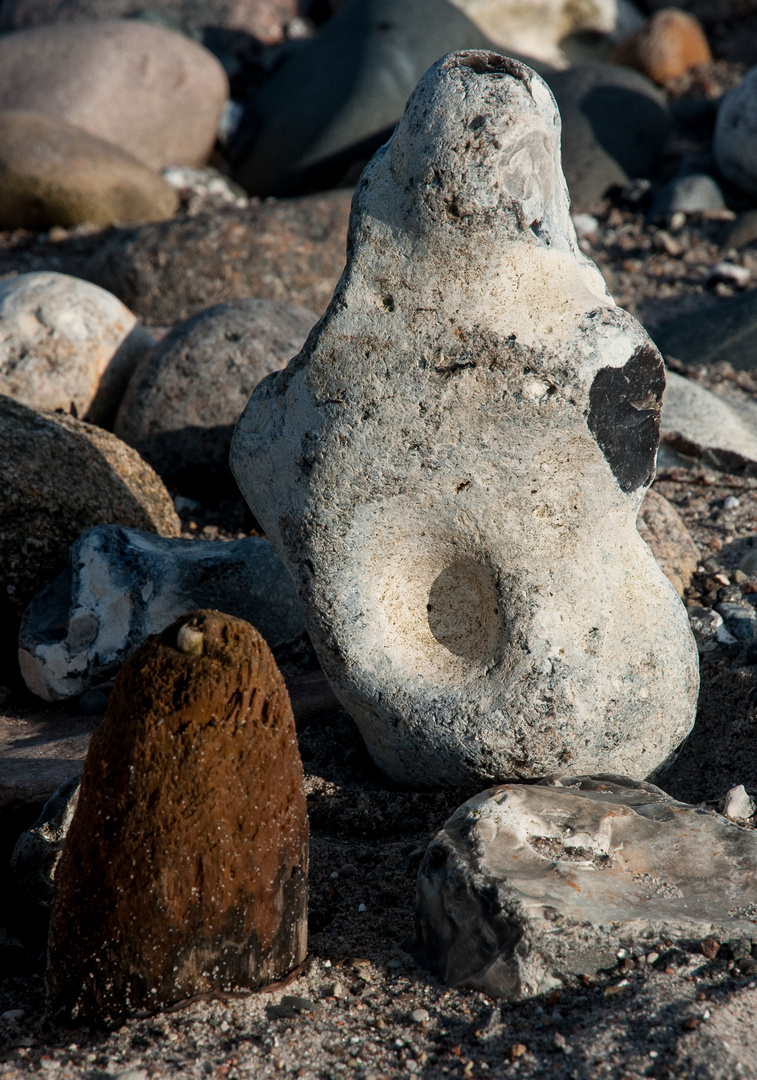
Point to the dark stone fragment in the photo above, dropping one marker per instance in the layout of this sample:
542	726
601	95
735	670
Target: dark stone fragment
184	870
624	416
335	99
740	620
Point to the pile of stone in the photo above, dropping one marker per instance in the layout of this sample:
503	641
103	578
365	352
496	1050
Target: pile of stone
448	445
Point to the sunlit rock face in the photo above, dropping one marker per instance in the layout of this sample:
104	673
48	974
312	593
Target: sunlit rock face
452	466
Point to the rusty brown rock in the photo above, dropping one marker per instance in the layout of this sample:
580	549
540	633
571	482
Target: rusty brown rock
660	526
292	250
185	866
666	46
59	476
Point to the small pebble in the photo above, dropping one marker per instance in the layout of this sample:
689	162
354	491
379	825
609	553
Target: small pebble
709	947
738	805
420	1016
731	502
362	907
517	1050
652	958
12	1016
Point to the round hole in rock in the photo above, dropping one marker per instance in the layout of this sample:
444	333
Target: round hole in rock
463	611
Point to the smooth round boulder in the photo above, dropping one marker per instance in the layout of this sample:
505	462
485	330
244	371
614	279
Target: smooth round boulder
290	250
186	396
151	92
184	870
263	19
59	476
735	139
668	45
67	344
614	128
54	174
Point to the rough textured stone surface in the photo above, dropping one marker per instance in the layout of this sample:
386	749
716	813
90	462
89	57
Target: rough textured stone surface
264	19
735	139
665	47
54	174
121	585
291	250
700	425
660	526
536	28
153	93
39	753
65	342
453	465
527	885
338	96
614	127
185	398
727	331
59	476
38	849
189	875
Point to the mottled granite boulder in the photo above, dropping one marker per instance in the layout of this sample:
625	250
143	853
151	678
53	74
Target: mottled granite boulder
292	250
185	867
121	585
453	465
65	342
186	396
59	476
526	886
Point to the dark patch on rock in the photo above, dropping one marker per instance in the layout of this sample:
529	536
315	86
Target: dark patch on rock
624	416
185	867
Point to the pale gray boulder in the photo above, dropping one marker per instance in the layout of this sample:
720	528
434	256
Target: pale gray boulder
528	885
452	466
121	585
720	432
65	342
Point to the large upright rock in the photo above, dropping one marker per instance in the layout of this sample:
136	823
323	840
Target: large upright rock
65	342
735	141
153	93
53	173
453	465
185	867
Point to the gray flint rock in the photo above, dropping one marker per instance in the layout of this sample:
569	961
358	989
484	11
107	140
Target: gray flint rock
121	585
527	885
